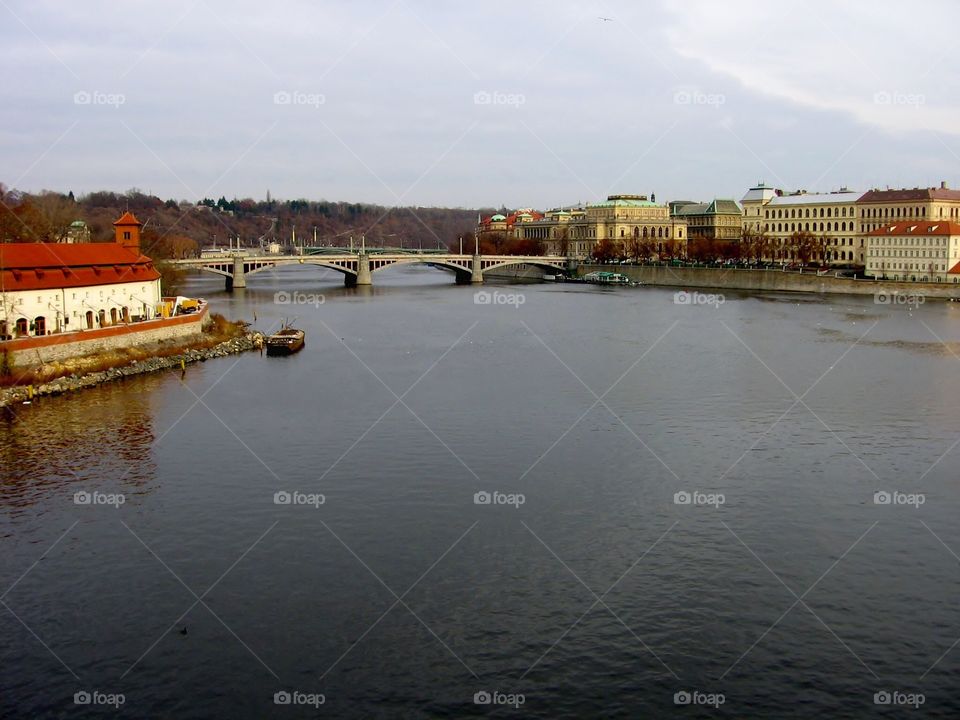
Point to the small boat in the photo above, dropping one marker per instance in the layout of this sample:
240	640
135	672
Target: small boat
603	277
285	341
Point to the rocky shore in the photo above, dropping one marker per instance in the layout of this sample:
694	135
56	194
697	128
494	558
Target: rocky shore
70	383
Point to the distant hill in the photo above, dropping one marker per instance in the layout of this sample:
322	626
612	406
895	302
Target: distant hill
47	216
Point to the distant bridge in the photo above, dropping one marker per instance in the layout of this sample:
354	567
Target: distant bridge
358	268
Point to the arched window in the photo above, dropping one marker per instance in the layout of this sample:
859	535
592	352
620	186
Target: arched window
644	231
21	327
40	325
660	232
89	319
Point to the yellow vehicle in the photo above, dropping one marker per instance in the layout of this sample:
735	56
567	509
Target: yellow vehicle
178	306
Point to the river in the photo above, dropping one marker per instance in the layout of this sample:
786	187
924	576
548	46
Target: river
566	500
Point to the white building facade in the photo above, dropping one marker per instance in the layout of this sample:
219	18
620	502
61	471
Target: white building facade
915	251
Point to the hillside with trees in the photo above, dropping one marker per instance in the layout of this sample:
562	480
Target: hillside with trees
180	229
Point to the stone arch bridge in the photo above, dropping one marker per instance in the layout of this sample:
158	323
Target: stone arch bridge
358	268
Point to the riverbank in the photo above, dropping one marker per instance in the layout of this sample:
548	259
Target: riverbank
772	281
72	376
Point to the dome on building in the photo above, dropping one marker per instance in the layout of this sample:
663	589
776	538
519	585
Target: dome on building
498	218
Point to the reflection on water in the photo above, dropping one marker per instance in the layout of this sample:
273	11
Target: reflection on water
56	444
305	597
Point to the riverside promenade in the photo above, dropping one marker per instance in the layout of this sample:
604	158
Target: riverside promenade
748	280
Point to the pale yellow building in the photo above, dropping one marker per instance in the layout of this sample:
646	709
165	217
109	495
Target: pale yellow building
830	217
621	218
883	207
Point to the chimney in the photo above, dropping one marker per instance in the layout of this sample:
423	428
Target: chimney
127	232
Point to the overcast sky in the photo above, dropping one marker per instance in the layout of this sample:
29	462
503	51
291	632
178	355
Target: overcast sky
515	103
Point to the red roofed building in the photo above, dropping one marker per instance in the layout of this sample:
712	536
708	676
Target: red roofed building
915	250
48	288
883	207
507	225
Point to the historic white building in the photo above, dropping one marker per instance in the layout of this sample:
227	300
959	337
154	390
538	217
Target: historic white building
48	288
915	250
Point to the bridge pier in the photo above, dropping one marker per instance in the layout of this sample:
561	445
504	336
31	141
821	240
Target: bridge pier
476	276
364	277
239	278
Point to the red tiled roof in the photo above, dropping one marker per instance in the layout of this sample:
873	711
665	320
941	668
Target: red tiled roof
48	266
512	217
128	218
916	195
955	268
918	227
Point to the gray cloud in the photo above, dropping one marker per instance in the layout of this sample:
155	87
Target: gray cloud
523	104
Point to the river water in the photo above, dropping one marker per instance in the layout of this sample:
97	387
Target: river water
585	587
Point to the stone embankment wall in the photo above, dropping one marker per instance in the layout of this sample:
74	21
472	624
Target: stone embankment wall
62	346
20	393
771	280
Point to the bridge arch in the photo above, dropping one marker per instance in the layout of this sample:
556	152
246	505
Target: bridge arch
545	264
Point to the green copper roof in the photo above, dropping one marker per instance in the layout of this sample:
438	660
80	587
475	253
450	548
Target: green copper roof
622	202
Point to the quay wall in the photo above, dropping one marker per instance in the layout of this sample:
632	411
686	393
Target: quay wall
771	281
63	346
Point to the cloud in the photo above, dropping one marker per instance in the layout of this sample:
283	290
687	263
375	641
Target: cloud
890	69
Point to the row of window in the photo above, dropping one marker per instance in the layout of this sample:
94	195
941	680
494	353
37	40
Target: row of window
910	253
941	241
40	325
796	227
805	212
907	266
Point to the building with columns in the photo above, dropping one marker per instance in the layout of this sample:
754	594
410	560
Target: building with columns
576	232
